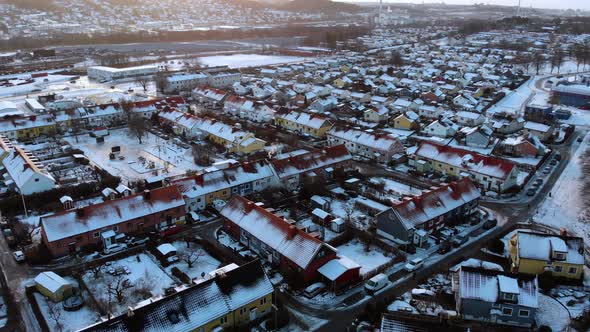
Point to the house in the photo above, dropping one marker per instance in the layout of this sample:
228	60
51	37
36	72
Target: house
53	286
380	147
542	131
201	190
572	94
248	109
495	297
233	139
315	165
296	253
324	104
147	108
428	212
477	137
538	113
209	95
407	121
25	173
376	115
184	82
523	146
69	231
536	253
231	299
490	173
506	124
304	123
430	112
470	119
441	128
28	127
404	105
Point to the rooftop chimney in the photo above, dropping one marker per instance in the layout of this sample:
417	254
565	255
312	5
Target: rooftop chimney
147	194
292	232
80	212
249	207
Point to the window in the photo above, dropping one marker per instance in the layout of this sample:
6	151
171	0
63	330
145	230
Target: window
558	268
263	300
223	320
508	296
559	255
95	235
507	311
572	270
116	228
523	313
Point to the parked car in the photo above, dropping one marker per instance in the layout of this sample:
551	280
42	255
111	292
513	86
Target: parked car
19	256
459	239
553	162
114	248
443	248
314	289
133	241
531	192
376	283
580	139
490	223
539	181
414	264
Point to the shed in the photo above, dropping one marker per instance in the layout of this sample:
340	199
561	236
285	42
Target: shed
338	225
53	286
340	272
321	216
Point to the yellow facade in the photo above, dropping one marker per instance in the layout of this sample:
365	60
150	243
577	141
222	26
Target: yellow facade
315	132
535	266
240	316
402	122
34	132
339	83
224	194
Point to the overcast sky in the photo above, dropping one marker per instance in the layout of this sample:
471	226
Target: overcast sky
562	4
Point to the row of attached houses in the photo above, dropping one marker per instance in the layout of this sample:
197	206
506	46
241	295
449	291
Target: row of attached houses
305	123
245	108
380	147
488	172
410	221
231	298
23	172
296	253
232	138
69	231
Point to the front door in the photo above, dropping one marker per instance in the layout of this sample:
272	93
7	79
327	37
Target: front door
253	314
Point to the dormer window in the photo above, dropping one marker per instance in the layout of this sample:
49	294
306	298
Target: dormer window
559	256
509	296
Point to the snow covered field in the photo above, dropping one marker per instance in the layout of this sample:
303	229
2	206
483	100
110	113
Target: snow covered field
565	205
153	149
204	263
248	60
368	260
144	274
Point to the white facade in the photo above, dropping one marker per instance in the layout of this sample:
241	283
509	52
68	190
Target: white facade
101	73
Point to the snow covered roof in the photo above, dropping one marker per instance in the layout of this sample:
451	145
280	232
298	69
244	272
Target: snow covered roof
71	223
232	176
382	142
306	119
22	168
274	231
485	285
310	161
196	305
51	281
416	210
473	262
578	89
535	126
210	93
166	248
466	159
539	247
337	267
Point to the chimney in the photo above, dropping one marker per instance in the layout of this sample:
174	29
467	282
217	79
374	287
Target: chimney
80	212
67	202
292	232
25	166
147	194
249	207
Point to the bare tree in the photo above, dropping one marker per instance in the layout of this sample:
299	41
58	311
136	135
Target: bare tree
201	155
557	59
138	126
190	256
538	61
55	314
143	82
118	288
96	270
76	126
349	210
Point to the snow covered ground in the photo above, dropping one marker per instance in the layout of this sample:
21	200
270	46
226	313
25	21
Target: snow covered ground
552	314
398	187
144	274
70	320
153	149
565	205
248	60
204	263
368	260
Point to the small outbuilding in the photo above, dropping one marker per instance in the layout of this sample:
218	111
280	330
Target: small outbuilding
53	286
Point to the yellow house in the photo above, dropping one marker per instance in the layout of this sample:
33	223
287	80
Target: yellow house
345	69
406	121
535	253
29	127
233	138
305	123
227	299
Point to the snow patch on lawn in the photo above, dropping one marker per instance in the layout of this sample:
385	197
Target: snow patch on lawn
368	260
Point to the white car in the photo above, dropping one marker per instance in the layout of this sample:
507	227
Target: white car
414	264
19	256
113	248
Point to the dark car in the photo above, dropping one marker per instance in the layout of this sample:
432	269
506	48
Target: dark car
443	248
531	192
490	223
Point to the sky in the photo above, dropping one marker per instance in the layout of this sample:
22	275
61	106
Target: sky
561	4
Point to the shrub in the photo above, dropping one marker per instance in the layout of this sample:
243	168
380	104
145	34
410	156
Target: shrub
546	281
497	246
